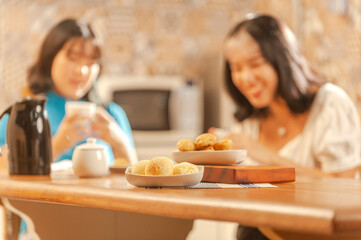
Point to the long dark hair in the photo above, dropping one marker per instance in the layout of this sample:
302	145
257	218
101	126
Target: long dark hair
39	74
297	82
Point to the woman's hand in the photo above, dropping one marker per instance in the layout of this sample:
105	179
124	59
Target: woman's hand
107	129
101	125
255	150
73	129
240	141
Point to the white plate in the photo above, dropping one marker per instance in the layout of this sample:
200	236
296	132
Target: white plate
220	157
181	180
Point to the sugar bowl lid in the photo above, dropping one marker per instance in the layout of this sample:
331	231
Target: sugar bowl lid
91	145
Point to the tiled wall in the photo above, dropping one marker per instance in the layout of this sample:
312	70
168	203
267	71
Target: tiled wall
332	42
178	37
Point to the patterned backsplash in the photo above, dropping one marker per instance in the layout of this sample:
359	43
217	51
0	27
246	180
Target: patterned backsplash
157	37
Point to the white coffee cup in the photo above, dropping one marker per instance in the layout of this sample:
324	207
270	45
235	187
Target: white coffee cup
90	159
81	108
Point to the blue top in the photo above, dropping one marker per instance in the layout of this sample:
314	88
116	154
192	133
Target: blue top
55	107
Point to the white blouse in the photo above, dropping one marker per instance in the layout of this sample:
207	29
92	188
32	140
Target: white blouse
331	137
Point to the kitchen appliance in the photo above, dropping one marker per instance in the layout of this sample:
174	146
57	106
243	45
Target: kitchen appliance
28	137
161	110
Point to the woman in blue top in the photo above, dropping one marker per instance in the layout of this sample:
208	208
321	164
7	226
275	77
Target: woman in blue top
66	70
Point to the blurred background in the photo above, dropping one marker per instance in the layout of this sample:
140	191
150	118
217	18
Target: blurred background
181	38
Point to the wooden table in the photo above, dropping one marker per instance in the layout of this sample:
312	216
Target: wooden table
311	208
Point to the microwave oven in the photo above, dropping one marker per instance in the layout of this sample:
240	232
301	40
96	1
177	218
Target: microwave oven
161	110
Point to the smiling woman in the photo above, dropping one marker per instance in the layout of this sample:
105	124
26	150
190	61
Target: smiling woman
67	68
247	66
75	68
288	115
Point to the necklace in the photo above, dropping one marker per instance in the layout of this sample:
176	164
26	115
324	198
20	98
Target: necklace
281	131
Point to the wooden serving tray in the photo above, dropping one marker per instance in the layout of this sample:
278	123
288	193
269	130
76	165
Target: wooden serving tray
248	174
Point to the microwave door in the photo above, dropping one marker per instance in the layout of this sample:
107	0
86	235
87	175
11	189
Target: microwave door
146	109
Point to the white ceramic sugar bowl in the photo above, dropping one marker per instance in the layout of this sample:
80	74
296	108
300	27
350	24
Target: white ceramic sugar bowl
90	159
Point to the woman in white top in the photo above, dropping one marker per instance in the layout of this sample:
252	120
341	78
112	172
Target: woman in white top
288	115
